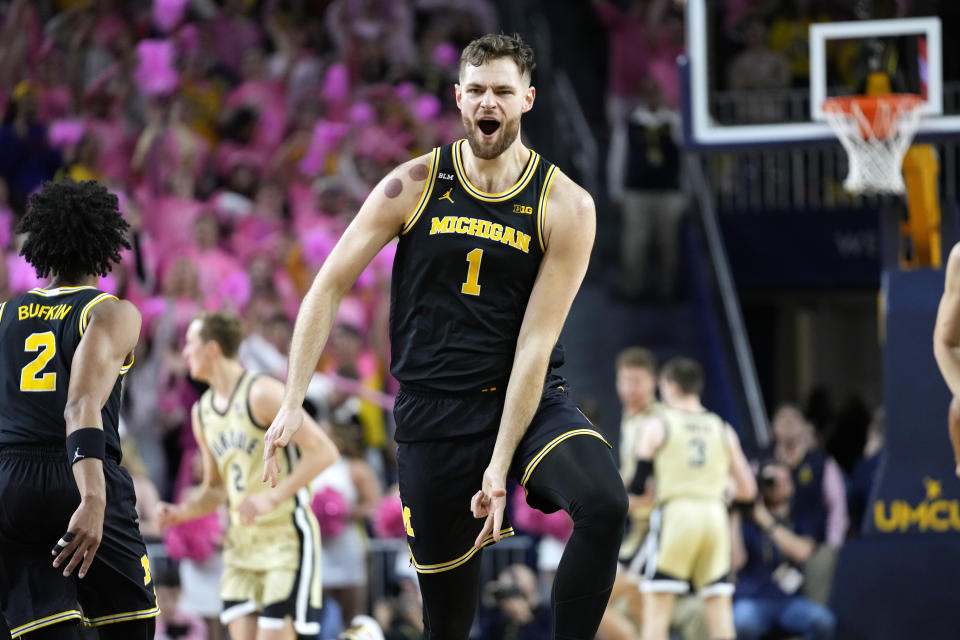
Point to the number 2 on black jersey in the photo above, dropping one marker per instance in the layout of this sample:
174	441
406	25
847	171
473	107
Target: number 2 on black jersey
472	286
30	378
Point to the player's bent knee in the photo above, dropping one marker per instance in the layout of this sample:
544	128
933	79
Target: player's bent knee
607	508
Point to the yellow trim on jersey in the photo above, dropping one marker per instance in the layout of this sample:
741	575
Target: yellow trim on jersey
542	207
59	291
425	196
123	617
86	309
63	616
525	178
2	307
532	465
127	366
453	564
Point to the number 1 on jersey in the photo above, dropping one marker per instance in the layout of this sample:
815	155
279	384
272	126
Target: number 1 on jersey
472	286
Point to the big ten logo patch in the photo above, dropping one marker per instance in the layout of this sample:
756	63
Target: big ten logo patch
934	513
522	208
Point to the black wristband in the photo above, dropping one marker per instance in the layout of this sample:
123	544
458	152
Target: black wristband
638	486
85	443
744	507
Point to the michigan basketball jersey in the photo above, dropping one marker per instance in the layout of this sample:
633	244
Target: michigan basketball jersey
465	266
693	461
39	333
236	442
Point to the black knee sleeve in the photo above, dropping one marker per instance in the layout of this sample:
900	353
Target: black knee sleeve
450	600
580	475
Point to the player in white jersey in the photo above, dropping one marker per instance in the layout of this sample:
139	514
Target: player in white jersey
271	579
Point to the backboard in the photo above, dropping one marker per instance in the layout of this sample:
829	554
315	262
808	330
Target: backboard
826	57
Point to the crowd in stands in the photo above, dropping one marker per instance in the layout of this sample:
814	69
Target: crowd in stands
241	137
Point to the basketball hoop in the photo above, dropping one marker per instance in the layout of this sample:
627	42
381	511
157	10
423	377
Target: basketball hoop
876	131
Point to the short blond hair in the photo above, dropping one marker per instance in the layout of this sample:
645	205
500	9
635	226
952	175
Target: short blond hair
223	327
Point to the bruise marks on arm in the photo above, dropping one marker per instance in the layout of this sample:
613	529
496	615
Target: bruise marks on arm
418	172
393	188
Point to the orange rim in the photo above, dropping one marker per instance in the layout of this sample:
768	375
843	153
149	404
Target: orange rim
869	105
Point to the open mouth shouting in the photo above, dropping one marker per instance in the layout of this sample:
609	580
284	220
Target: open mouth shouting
488	127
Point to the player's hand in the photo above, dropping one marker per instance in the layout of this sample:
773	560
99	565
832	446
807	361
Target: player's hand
489	503
80	542
165	515
278	436
256	505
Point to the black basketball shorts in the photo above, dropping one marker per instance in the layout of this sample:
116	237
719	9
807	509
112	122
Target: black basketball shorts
39	495
438	477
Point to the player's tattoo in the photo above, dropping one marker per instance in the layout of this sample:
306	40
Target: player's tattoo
418	172
393	188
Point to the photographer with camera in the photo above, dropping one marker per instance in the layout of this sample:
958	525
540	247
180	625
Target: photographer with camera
769	552
513	609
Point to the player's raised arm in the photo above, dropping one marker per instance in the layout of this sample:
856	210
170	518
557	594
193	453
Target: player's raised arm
108	340
568	235
205	498
379	220
317	451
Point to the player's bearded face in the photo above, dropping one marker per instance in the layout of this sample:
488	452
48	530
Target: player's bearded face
492	97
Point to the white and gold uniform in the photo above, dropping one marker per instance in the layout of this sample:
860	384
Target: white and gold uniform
271	567
639	517
689	529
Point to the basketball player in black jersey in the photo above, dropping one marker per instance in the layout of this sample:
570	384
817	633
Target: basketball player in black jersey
70	545
493	244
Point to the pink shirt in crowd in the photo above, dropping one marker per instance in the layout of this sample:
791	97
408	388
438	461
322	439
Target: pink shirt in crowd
835	496
628	49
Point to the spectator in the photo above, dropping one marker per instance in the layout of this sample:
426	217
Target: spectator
790	36
401	616
173	623
653	205
344	552
769	553
143	487
818	502
627	59
757	70
512	607
27	158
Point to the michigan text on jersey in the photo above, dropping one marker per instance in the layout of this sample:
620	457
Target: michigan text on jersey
481	229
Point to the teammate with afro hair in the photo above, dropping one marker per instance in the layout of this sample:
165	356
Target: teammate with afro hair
74	230
63	351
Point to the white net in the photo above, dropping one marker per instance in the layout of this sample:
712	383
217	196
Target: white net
875	131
